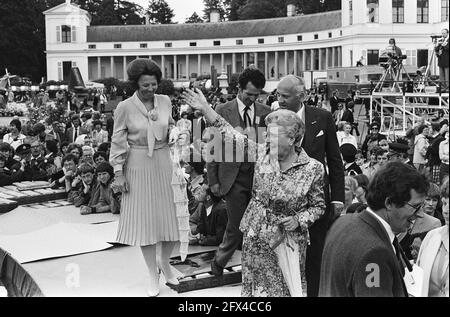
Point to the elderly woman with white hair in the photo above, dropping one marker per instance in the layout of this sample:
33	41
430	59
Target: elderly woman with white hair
287	199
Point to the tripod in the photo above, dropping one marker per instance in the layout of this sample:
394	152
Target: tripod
425	77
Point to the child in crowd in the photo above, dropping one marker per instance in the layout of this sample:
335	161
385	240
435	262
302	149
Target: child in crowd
348	152
84	185
100	157
103	199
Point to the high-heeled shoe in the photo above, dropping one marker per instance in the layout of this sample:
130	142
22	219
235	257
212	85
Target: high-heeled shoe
172	280
152	293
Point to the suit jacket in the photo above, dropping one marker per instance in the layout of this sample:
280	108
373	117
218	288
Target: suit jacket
357	251
348	117
69	134
320	142
225	173
427	255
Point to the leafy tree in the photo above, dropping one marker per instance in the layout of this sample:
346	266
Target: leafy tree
160	12
232	7
194	18
259	9
211	5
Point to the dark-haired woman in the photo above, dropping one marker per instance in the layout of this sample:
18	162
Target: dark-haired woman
154	203
15	137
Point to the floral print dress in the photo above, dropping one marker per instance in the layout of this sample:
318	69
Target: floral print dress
297	192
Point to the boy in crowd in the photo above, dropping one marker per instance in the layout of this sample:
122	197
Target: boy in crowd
348	152
103	198
69	163
382	157
85	185
100	157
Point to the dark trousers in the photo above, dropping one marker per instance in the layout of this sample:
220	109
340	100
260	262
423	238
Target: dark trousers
443	172
237	200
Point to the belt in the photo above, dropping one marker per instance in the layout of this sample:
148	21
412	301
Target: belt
157	146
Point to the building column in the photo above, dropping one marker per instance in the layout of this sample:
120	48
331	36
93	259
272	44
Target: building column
187	67
333	57
326	58
295	63
256	59
199	65
245	60
276	65
211	60
175	66
320	59
112	66
286	63
222	63
339	49
125	68
163	65
303	60
266	64
312	59
99	67
233	63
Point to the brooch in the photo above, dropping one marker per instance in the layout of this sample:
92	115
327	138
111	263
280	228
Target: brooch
153	115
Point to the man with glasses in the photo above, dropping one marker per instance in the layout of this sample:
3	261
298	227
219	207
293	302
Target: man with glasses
362	255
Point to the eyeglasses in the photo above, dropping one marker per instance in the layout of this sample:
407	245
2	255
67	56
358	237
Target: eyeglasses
416	207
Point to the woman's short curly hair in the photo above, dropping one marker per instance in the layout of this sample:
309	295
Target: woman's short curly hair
143	66
290	121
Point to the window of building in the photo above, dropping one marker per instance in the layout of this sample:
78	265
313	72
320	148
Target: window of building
92	46
299	38
340	32
411	59
444	10
422	11
193	44
216	43
239	42
422	58
66	34
117	45
281	39
316	36
350	15
372	11
168	44
330	35
372	57
143	45
260	41
398	11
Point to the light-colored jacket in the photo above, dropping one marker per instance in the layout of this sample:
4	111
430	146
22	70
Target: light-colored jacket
427	255
420	149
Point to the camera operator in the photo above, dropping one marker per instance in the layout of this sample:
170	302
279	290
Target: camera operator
443	56
393	50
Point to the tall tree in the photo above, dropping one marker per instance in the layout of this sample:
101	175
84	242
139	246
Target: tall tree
210	5
194	18
232	8
258	9
160	12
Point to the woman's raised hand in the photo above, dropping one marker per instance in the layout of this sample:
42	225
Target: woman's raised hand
196	99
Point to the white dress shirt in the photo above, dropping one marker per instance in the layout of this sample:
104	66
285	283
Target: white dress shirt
251	111
386	227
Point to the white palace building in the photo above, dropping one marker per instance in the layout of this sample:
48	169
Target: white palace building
305	45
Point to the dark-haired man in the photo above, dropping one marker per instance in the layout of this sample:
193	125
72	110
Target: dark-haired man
234	180
362	256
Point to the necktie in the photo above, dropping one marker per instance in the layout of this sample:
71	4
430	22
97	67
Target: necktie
75	136
402	259
247	120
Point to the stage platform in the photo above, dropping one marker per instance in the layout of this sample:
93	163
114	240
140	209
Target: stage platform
57	252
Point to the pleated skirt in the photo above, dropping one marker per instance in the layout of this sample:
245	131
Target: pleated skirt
148	213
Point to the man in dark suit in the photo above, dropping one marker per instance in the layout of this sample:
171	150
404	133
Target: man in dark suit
334	101
362	256
75	130
234	180
320	142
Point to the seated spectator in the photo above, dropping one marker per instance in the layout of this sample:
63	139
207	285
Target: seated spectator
88	155
103	198
69	163
8	151
433	255
85	185
213	221
99	136
100	157
15	137
33	171
348	152
76	150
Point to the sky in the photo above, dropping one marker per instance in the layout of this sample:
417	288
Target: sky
183	9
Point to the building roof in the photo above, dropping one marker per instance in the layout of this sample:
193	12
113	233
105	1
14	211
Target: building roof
199	31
